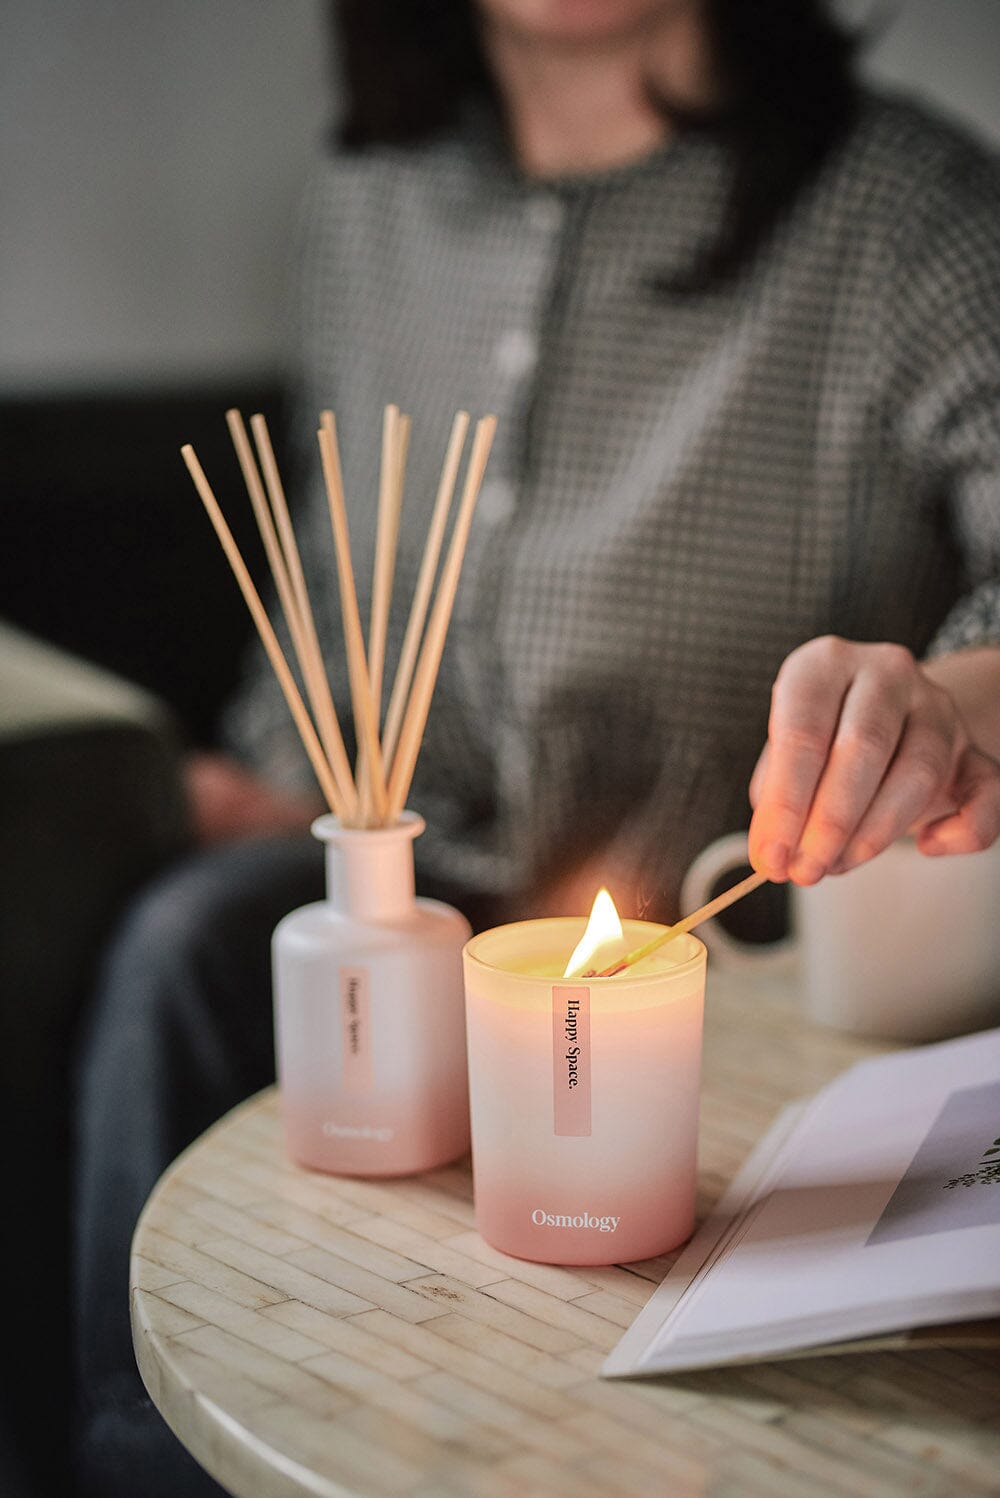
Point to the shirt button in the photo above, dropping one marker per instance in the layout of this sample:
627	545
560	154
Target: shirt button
516	352
496	501
545	213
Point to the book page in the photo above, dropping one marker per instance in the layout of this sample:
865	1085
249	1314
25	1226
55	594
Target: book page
880	1210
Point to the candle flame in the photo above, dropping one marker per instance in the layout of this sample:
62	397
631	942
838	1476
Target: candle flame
603	929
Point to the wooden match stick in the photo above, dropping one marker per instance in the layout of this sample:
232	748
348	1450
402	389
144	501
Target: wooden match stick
728	897
422	591
269	639
418	707
301	628
357	665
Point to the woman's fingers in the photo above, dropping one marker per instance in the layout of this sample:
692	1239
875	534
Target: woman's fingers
873	728
917	785
975	824
757	778
226	801
805	707
863	747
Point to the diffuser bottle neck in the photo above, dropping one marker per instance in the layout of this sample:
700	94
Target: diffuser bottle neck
369	871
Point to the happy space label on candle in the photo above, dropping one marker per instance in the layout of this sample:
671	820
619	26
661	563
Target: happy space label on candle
571	1060
355	1029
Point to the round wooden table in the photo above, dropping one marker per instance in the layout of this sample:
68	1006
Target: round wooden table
306	1334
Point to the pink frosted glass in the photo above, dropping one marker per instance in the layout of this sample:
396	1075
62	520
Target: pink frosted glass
586	1158
369	1014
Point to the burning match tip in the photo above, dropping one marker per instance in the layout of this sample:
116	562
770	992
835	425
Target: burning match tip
608	972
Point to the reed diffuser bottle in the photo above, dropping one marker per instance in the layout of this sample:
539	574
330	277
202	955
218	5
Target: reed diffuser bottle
370	1013
368	994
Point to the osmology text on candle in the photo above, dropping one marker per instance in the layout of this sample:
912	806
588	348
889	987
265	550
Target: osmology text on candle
551	1220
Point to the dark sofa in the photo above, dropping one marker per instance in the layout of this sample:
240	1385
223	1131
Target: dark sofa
121	633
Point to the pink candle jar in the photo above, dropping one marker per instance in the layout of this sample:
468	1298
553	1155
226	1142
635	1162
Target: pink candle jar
584	1094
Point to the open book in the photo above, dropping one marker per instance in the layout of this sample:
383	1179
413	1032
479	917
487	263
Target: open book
872	1208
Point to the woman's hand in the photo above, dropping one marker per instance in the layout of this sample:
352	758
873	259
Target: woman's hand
226	801
863	746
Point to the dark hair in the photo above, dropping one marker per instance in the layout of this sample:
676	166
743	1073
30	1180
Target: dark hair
409	67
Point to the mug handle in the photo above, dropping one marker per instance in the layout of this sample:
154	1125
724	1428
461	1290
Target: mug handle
718	858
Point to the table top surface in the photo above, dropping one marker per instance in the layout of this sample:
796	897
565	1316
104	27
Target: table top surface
309	1334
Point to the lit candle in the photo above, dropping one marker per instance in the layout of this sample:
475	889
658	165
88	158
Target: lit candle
584	1091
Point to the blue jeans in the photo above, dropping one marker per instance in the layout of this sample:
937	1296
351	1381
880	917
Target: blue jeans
179	1032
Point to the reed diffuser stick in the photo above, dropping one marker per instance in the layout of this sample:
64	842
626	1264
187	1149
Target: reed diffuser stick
357	665
389	500
402	453
282	518
418	707
422	591
269	639
302	630
713	907
363	799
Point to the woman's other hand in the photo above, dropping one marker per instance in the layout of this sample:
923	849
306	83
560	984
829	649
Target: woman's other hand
863	746
227	801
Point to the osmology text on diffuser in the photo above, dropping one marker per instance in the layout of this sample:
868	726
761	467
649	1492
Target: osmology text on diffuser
369	1013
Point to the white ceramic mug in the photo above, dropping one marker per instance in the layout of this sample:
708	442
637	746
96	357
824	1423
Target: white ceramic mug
904	947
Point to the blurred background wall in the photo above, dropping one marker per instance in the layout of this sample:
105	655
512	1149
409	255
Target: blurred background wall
151	157
947	51
151	160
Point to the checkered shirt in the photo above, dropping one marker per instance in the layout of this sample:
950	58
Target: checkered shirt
683	487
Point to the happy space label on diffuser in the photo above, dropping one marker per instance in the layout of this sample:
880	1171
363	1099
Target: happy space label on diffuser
356	1030
571	1060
